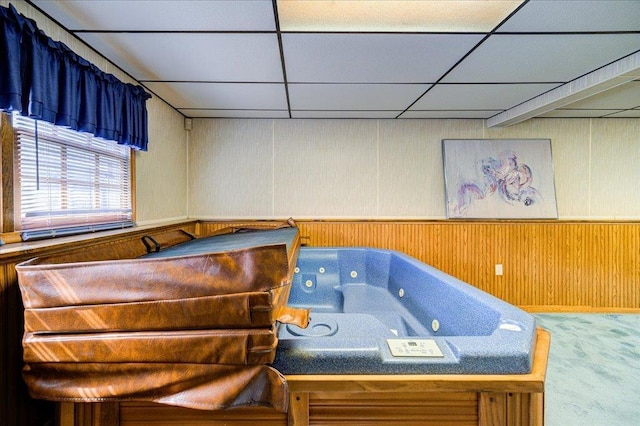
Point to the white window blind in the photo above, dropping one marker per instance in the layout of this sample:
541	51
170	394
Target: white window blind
67	181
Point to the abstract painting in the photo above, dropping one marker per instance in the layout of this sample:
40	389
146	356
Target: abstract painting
499	178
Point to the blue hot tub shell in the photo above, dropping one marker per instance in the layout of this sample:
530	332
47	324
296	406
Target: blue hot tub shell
364	302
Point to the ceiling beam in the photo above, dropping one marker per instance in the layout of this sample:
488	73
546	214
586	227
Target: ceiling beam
616	73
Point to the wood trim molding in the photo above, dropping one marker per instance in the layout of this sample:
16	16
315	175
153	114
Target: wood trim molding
6	173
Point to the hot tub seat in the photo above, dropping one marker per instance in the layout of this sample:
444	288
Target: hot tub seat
364	301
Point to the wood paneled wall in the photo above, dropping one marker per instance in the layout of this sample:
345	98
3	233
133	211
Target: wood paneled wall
568	264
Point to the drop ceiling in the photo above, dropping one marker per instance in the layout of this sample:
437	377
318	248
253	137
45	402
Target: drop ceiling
504	61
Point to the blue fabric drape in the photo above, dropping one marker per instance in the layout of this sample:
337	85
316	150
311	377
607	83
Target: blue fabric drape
11	55
45	80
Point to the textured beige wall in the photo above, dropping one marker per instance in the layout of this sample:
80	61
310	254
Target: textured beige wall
354	168
161	172
373	169
615	168
234	175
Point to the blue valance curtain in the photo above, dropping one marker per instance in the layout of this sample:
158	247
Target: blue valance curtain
43	79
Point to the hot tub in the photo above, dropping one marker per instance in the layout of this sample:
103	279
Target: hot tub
382	312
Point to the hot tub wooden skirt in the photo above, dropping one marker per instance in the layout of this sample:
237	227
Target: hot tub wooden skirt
488	400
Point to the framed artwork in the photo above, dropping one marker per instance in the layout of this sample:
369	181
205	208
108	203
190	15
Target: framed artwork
499	179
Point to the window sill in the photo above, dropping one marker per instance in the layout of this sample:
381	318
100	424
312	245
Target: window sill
36	248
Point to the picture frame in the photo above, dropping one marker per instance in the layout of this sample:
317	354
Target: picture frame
499	179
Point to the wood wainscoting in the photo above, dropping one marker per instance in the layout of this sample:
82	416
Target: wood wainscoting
586	265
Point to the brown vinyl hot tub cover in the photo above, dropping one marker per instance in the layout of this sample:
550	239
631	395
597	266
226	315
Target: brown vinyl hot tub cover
170	318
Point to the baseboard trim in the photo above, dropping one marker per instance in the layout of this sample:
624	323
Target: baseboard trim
539	309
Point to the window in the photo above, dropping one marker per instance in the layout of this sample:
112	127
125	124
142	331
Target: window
67	182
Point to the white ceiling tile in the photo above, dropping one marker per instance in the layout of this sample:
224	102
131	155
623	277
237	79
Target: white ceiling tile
233	113
200	57
575	15
344	114
354	96
393	15
478	96
625	96
372	58
119	15
541	58
451	114
221	95
232	46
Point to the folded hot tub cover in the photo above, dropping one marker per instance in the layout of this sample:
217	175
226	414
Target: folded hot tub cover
199	386
170	318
